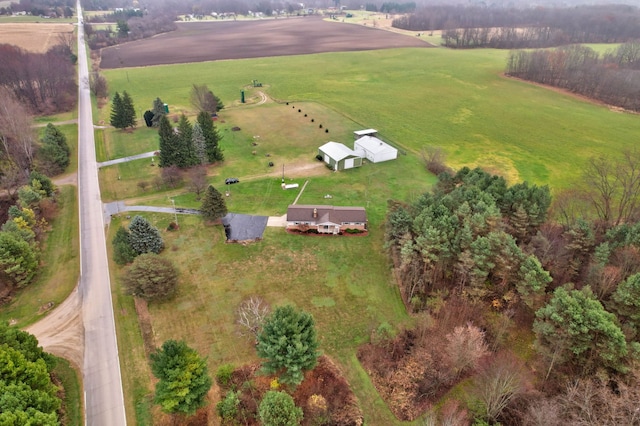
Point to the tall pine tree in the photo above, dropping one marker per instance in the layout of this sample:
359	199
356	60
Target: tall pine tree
211	137
186	155
129	110
213	205
199	144
158	112
117	112
168	143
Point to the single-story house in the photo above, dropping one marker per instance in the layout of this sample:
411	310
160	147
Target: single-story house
326	219
366	132
374	150
339	156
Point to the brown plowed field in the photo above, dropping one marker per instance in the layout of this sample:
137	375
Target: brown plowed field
211	41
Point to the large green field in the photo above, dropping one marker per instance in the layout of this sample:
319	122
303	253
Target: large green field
457	100
416	98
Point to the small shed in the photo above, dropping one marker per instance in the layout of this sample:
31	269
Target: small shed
374	150
366	132
339	156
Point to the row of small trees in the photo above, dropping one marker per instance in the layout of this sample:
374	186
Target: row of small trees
474	26
22	233
189	145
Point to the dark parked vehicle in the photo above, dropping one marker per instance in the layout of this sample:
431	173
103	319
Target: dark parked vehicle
229	181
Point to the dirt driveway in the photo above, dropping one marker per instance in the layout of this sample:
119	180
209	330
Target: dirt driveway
211	41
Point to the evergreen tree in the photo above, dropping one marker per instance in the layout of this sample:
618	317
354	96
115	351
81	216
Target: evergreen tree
118	119
575	328
279	409
288	344
213	205
123	253
183	378
18	260
625	302
54	152
151	277
186	155
211	137
199	144
53	135
148	118
168	143
129	113
144	237
158	112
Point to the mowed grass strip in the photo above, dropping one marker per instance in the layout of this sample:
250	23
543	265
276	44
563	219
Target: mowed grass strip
457	100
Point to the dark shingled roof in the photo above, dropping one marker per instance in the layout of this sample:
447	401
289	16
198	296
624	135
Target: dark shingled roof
243	227
334	214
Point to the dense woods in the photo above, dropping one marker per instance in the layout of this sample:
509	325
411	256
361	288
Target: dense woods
482	266
44	82
613	78
512	28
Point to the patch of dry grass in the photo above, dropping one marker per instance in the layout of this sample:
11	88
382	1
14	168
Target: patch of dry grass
36	38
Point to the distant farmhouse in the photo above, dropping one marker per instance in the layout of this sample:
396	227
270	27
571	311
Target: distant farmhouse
340	157
326	219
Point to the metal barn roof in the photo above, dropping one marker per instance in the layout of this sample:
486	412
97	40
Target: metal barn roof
337	151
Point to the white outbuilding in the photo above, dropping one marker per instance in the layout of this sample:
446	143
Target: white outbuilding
374	150
339	157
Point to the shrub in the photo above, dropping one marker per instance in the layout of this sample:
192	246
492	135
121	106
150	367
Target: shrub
228	407
313	120
151	277
320	126
326	130
224	373
144	237
319	157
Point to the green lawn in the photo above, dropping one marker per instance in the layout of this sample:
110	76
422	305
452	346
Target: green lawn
72	384
457	100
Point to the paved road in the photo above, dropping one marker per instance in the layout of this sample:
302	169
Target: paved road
104	401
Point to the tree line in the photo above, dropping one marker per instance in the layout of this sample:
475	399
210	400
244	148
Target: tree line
44	82
512	28
51	8
130	28
613	78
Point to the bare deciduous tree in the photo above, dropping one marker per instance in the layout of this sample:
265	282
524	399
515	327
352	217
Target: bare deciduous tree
613	186
99	85
203	99
251	314
465	347
434	160
16	135
171	176
198	180
501	380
